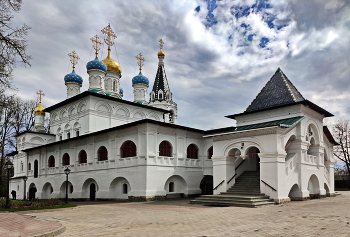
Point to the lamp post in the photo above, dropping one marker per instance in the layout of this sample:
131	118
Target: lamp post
66	171
25	178
8	167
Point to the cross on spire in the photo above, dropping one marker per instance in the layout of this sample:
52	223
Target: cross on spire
161	43
73	58
110	36
140	61
41	94
96	44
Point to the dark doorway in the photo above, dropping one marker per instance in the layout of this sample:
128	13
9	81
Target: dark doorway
32	192
207	185
92	192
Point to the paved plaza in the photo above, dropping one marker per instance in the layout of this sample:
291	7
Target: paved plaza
319	217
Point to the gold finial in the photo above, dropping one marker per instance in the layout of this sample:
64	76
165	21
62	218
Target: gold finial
96	44
140	61
41	94
161	53
40	109
73	58
110	36
161	43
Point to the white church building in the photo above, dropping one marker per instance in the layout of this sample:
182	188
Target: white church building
118	149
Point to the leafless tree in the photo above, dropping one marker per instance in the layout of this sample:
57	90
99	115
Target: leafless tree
12	42
341	133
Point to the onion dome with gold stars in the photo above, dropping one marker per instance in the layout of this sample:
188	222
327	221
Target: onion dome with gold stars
121	91
73	78
140	79
96	65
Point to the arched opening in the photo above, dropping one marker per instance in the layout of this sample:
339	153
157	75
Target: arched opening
179	185
119	188
207	185
313	187
82	157
32	191
36	168
165	149
92	192
253	159
65	159
47	190
89	189
63	189
102	153
125	189
171	187
192	151
294	193
210	152
128	149
51	162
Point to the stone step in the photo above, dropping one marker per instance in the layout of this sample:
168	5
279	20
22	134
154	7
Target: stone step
226	203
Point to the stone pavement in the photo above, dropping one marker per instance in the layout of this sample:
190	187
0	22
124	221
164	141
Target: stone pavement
319	217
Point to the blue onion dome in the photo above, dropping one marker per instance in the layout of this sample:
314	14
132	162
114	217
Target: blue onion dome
73	78
140	79
96	65
121	91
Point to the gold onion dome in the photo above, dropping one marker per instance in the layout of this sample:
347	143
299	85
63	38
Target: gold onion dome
161	53
39	109
112	66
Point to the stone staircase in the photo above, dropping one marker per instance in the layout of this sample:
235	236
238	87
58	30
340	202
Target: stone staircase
244	193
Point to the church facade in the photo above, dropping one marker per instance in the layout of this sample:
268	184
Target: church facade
118	149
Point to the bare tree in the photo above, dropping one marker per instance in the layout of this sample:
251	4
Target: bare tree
12	42
341	133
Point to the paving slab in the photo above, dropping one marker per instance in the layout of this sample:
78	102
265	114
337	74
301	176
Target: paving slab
319	217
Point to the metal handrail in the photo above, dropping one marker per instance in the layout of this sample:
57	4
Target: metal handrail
218	185
231	179
268	185
240	164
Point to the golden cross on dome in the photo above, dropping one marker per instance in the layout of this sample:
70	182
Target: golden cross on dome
96	44
161	43
40	93
110	36
140	61
73	58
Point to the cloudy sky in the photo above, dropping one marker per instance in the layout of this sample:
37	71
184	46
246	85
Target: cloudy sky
219	54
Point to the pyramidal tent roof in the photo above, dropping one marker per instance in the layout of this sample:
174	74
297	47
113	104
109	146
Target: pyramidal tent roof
279	91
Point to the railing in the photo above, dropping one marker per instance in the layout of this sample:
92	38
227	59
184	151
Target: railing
231	179
240	164
218	185
268	185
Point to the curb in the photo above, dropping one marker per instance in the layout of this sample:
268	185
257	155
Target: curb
53	233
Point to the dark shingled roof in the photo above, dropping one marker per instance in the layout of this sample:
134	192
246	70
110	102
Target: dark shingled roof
278	91
329	136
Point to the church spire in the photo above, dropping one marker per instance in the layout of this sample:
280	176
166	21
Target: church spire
72	80
161	96
39	114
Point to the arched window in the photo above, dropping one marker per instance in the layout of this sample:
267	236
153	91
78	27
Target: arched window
71	188
102	153
36	168
68	135
192	151
65	159
21	166
29	166
82	157
125	188
171	187
210	152
165	149
51	161
128	149
77	133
